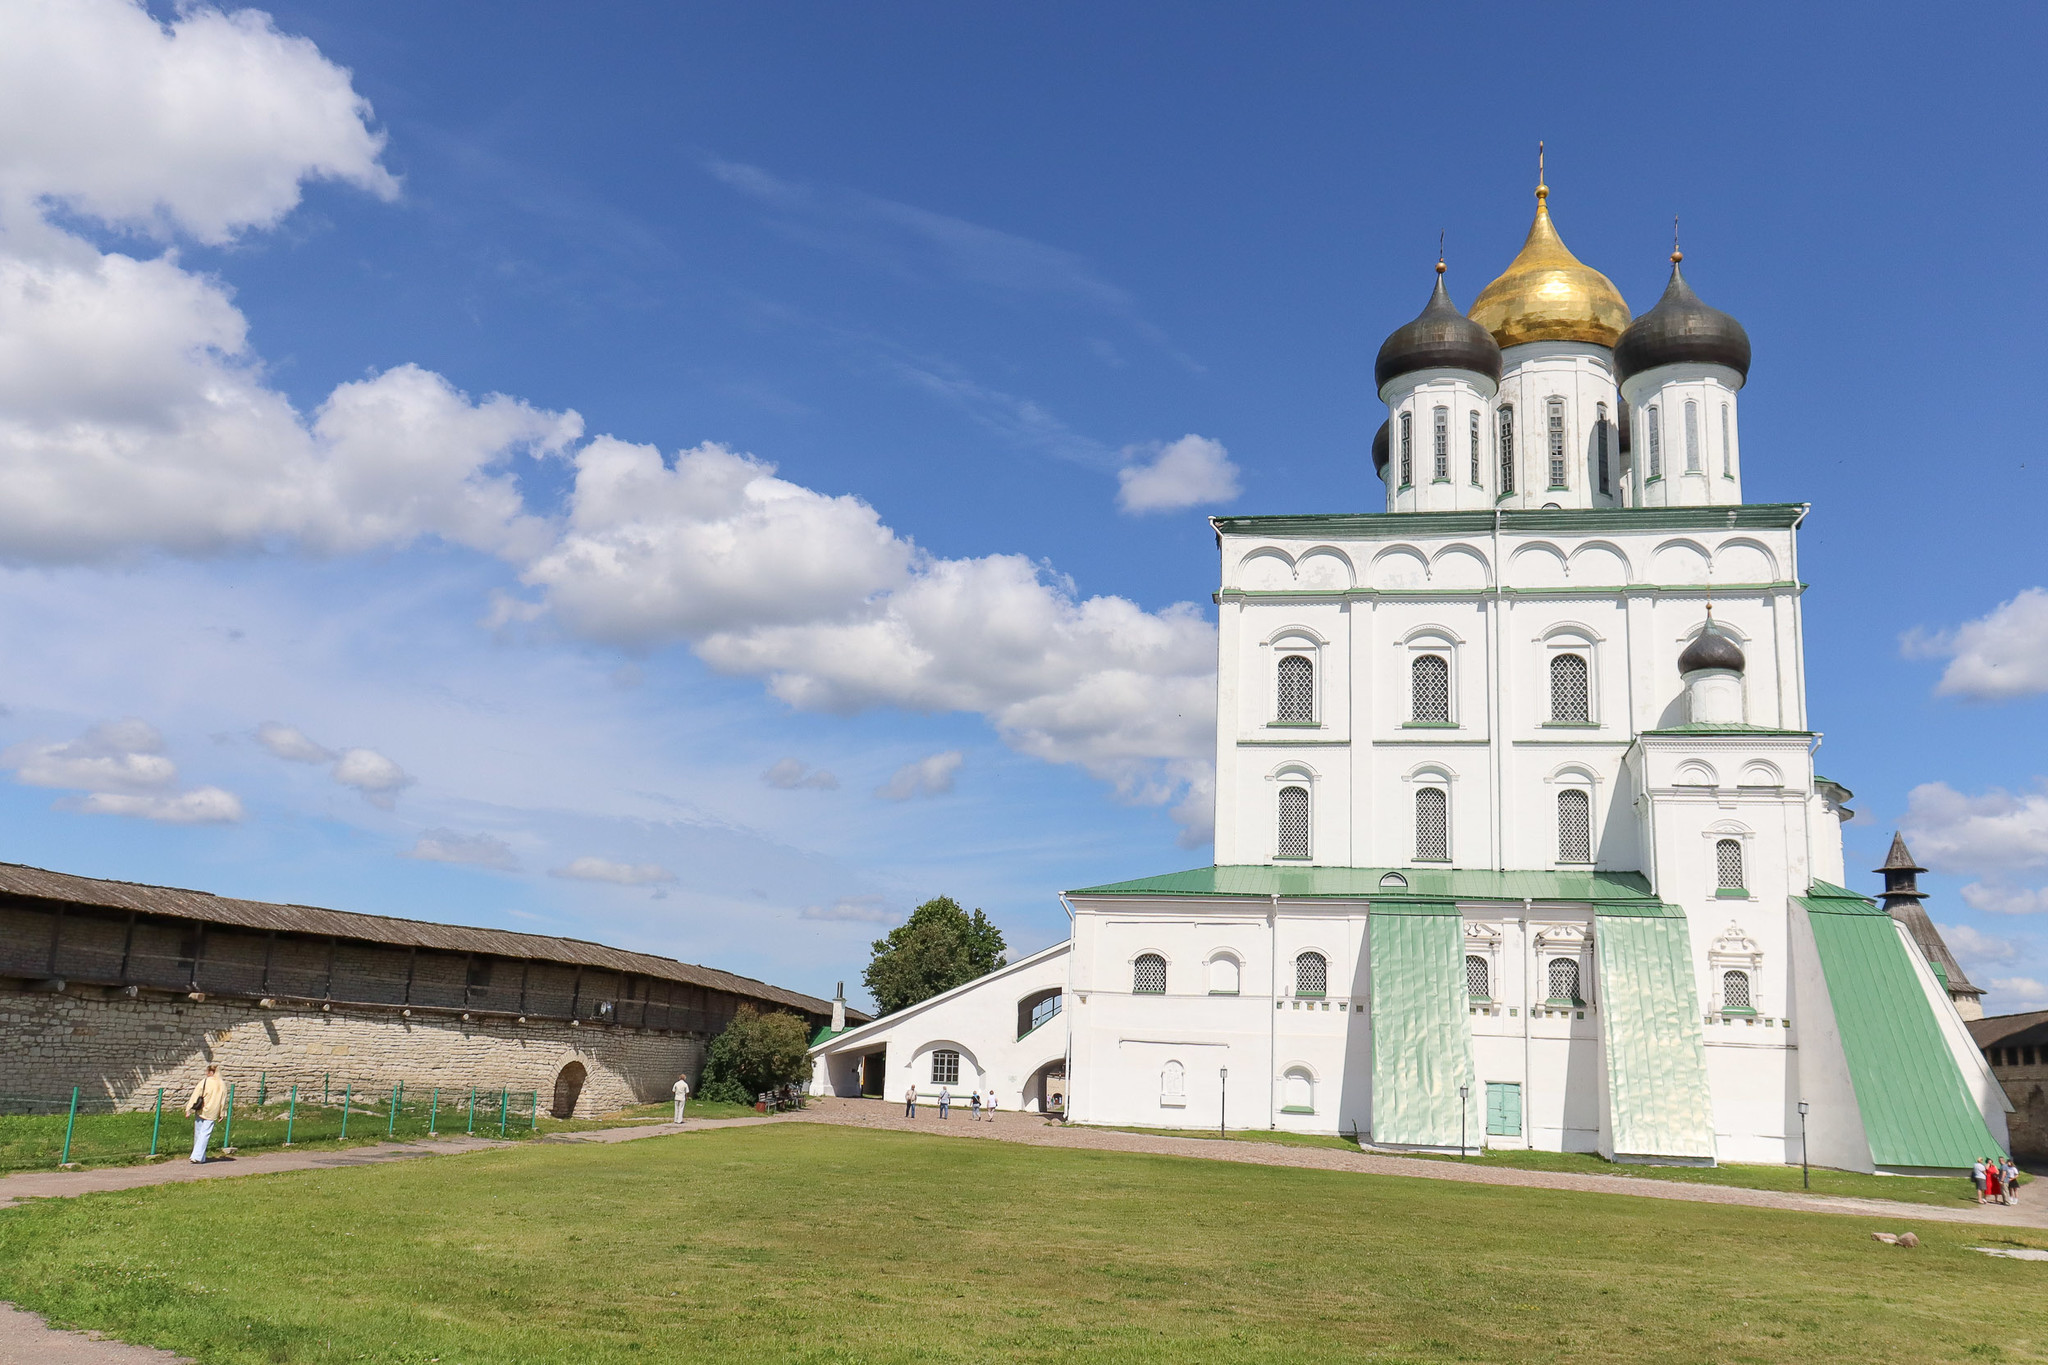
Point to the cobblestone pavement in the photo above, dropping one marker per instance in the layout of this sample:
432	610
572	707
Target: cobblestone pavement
2030	1212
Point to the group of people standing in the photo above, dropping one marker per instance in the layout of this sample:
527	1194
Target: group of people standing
984	1103
1997	1180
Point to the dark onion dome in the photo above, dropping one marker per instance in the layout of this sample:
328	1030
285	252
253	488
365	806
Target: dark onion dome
1440	338
1681	330
1711	650
1379	449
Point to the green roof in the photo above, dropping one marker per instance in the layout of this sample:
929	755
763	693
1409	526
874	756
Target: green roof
826	1033
1659	1104
1421	1041
1394	525
1297	883
1725	727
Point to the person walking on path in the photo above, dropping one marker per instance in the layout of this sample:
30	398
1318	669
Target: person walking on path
910	1101
945	1102
991	1104
977	1104
2009	1173
682	1093
1977	1178
209	1101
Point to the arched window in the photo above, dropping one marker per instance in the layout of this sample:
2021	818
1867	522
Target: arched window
1574	826
1507	448
1600	440
1407	448
1692	437
1474	430
1311	975
1440	432
1735	991
1223	976
1727	447
1653	435
1568	699
1728	864
1173	1085
1477	978
1293	823
1429	691
1432	825
1564	981
1148	975
945	1067
1297	690
1299	1090
1553	422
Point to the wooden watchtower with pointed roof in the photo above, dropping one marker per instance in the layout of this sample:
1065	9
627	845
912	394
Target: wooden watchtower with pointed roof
1902	897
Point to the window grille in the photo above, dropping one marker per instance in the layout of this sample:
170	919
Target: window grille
1728	863
1564	981
1311	974
1432	826
1476	982
1568	701
1293	822
1440	435
1475	449
1554	421
945	1067
1727	447
1574	826
1656	441
1735	991
1148	975
1600	438
1692	437
1407	448
1507	448
1430	688
1297	688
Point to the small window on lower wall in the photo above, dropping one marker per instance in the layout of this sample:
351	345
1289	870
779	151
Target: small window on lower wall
1173	1086
1299	1088
1564	981
945	1067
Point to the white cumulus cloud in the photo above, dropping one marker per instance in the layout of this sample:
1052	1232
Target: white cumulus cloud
2016	993
931	775
790	773
290	743
850	910
1997	657
1973	945
1999	899
473	850
200	806
124	769
1190	472
619	874
1995	829
371	773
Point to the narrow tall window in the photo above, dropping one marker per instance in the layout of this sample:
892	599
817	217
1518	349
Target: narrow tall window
1600	439
1727	446
1507	449
1440	434
1429	692
1297	689
1654	436
1407	448
1735	991
1311	974
1728	864
1432	825
1474	425
1692	437
945	1067
1293	842
1477	983
1568	689
1554	429
1148	975
1574	826
1564	981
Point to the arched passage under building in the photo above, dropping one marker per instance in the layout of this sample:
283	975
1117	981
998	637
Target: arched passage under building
568	1090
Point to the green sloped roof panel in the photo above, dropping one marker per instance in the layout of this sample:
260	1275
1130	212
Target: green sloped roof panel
1400	525
1659	1104
1916	1110
1421	1042
1264	880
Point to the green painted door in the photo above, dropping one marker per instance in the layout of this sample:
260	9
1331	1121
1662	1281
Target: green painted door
1504	1108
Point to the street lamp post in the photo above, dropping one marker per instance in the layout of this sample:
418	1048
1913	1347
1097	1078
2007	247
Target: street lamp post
1805	1176
1223	1109
1464	1094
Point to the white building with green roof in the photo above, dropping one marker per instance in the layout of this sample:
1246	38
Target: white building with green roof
1519	841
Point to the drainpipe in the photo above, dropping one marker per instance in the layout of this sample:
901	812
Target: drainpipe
1067	906
1273	1023
1528	1086
1497	740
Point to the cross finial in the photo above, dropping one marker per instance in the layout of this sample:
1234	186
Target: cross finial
1542	190
1676	254
1439	253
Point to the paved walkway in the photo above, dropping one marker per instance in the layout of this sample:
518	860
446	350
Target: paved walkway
2030	1212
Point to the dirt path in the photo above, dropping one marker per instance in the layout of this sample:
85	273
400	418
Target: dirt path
2030	1212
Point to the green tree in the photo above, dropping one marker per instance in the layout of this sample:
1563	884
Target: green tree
757	1052
939	947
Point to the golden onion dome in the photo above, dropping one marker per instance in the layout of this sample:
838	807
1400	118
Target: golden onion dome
1548	294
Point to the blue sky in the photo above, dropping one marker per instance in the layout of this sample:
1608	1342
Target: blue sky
1009	301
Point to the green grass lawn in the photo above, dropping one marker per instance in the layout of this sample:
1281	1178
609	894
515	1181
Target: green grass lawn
36	1142
1851	1184
815	1244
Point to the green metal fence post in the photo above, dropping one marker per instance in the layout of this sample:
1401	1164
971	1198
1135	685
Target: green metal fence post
401	1092
434	1111
472	1109
325	1098
157	1126
262	1088
65	1160
503	1096
291	1114
391	1119
536	1111
227	1133
345	1089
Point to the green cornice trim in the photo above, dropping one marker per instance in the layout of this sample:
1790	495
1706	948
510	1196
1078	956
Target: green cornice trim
1425	884
1765	516
1725	728
1477	594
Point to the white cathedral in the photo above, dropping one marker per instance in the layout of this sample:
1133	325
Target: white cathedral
1519	841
